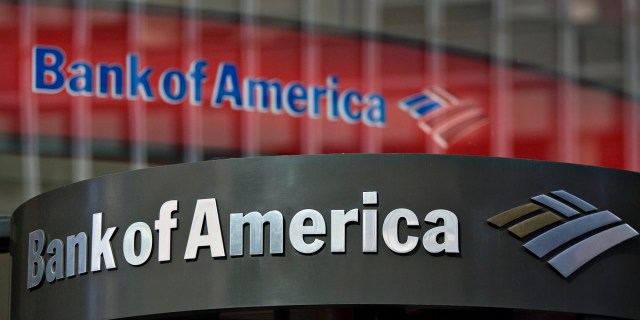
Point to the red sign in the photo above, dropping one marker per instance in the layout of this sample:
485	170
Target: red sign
264	89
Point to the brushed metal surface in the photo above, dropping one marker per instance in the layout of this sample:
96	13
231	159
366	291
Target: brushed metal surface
491	270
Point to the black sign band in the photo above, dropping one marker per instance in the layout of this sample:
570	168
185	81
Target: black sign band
419	230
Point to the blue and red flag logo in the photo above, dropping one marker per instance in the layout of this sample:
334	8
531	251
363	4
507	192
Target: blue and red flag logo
443	116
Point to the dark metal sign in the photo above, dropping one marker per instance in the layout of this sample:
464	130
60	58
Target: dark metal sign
331	230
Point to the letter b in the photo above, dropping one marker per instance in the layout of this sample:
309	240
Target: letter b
35	267
53	69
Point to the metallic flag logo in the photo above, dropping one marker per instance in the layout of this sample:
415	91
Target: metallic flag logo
581	232
443	116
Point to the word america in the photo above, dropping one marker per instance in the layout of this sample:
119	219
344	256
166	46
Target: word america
306	223
51	75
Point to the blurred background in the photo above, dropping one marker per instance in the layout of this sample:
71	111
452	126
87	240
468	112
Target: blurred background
536	79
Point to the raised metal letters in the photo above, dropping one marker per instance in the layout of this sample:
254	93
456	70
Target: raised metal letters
370	223
35	262
339	221
370	198
146	243
305	223
205	209
55	265
298	230
80	241
164	225
390	230
256	223
449	230
101	246
369	231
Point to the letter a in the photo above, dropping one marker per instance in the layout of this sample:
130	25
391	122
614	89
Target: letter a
206	209
449	230
227	86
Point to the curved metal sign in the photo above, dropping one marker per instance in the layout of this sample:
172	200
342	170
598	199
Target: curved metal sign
331	230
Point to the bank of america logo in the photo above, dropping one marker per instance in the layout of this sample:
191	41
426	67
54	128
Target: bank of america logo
576	231
443	116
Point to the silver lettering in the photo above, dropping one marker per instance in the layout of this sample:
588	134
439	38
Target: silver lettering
101	247
256	223
297	231
80	241
449	229
206	209
390	230
370	223
35	262
146	243
339	221
369	231
55	265
164	225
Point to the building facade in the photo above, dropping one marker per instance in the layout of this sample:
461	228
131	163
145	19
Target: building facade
97	87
